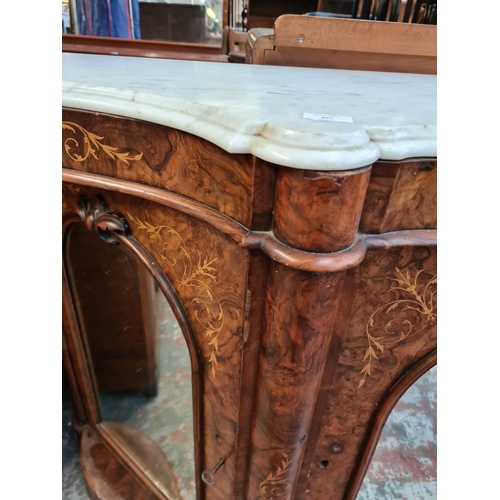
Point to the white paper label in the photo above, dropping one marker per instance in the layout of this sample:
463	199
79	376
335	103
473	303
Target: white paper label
328	118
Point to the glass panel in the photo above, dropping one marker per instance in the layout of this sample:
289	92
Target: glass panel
404	462
185	21
66	18
139	357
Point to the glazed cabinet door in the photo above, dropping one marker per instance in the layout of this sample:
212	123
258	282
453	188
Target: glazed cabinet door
130	254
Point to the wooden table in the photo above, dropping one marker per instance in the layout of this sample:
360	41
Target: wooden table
289	216
316	42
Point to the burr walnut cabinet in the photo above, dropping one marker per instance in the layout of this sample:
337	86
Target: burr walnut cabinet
288	215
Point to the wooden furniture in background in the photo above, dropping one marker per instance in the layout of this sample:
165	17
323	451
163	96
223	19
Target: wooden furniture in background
115	299
141	48
263	13
234	44
173	22
316	42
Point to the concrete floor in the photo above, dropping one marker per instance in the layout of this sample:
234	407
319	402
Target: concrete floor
403	467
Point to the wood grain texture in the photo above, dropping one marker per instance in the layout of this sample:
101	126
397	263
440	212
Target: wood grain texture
299	319
263	195
148	454
79	417
258	270
393	310
380	418
340	328
356	35
315	42
264	240
349	60
116	311
81	366
300	334
401	196
107	478
319	211
97	215
162	157
193	208
141	48
258	41
208	272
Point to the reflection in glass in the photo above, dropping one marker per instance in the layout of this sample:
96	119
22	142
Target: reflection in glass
185	21
139	357
404	462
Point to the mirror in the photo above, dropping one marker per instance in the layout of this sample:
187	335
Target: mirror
183	21
139	357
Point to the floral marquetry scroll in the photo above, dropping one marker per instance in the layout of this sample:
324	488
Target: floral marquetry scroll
304	297
391	329
91	145
276	484
391	323
199	274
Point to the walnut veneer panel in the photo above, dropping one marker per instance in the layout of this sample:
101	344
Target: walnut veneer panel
392	326
162	157
209	272
401	196
305	314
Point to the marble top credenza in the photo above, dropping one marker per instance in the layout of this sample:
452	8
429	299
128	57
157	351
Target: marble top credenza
289	217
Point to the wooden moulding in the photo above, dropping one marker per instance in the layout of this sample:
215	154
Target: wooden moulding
106	469
80	370
200	211
76	397
141	48
114	229
272	247
106	476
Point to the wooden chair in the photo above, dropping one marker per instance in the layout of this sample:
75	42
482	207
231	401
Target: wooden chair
354	44
233	44
407	11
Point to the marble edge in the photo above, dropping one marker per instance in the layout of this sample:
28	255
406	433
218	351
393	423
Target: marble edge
266	141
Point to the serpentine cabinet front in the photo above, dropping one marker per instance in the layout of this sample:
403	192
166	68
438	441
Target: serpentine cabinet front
307	298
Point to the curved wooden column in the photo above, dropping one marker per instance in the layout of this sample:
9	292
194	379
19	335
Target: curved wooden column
319	211
315	212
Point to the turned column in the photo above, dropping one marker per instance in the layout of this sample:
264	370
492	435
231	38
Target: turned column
315	212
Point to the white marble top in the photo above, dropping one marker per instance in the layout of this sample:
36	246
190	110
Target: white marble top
259	109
